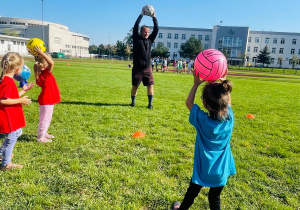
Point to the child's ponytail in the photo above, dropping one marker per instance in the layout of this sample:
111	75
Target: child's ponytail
216	98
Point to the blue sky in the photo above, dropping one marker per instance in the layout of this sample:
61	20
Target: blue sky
108	21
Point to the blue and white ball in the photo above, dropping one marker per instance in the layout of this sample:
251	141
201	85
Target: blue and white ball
148	10
23	76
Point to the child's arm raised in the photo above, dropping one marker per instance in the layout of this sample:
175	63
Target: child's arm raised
8	101
49	60
191	97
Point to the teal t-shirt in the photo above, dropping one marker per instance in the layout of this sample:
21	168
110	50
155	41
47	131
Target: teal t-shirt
213	159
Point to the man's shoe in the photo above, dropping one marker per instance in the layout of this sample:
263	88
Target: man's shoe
150	107
133	105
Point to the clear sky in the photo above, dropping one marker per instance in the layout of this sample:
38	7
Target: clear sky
106	21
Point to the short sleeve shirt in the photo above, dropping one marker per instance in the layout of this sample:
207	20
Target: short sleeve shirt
50	93
213	159
11	116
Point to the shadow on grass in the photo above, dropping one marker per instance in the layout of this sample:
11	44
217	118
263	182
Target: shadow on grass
23	137
89	103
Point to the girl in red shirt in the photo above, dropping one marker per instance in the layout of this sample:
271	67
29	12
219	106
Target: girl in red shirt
11	112
50	93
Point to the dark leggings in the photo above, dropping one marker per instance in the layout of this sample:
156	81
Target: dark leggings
193	191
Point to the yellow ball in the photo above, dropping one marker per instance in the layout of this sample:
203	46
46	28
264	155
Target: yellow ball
35	41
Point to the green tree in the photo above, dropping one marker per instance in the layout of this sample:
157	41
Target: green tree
264	56
160	50
128	39
11	32
191	48
121	47
93	49
101	49
294	61
128	50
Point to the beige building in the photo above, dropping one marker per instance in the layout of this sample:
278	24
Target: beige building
57	37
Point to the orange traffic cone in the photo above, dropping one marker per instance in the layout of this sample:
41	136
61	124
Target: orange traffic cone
251	116
139	134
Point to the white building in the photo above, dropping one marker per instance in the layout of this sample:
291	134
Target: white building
57	37
241	44
13	44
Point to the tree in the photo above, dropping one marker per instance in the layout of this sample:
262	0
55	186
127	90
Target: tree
93	49
264	56
128	50
121	47
11	32
101	49
160	50
294	61
128	39
191	48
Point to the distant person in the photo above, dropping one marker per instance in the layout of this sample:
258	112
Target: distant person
168	63
141	71
12	118
156	63
179	66
184	66
49	95
174	66
190	63
152	63
213	159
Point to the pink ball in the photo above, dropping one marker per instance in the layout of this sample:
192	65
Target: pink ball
210	65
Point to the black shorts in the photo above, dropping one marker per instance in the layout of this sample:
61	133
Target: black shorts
142	75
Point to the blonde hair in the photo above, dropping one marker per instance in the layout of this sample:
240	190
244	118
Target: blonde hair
40	64
10	62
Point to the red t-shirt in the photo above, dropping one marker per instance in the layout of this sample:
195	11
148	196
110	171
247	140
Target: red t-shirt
50	94
11	116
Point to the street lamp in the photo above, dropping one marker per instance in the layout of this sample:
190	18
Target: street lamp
43	18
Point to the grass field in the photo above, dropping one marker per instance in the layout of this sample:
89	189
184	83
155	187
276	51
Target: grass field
94	163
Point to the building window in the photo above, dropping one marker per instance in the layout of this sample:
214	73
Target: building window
255	49
176	36
2	41
275	41
282	41
160	35
193	35
183	36
169	45
206	37
273	50
169	36
272	60
221	42
267	40
206	46
14	42
175	45
153	45
299	52
22	43
248	49
249	39
200	37
254	59
256	39
294	41
281	50
292	51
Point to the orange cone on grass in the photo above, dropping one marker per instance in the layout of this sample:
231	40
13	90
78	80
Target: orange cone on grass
251	116
139	134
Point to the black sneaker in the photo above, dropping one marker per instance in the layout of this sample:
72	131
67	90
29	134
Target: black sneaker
133	105
150	107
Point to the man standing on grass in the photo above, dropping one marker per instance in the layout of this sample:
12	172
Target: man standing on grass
142	71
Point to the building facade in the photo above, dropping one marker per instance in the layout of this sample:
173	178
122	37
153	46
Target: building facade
57	37
241	45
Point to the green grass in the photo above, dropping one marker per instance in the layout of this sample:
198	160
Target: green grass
94	163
